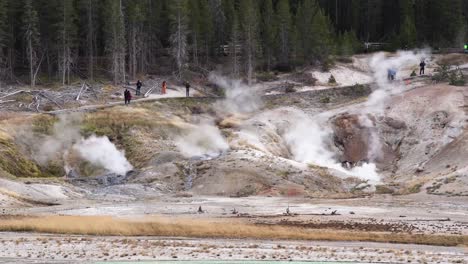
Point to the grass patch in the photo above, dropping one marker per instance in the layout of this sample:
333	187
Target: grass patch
416	188
44	124
383	189
204	228
14	162
130	129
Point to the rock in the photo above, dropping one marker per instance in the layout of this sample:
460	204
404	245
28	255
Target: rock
356	141
395	124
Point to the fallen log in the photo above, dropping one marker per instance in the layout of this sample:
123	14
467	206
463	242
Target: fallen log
7	101
11	94
50	99
79	94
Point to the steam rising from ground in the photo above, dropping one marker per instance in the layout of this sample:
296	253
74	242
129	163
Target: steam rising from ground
206	139
65	133
310	141
310	138
100	151
402	62
66	137
202	140
240	98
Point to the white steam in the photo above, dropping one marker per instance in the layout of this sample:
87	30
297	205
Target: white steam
66	137
65	133
310	142
240	98
403	62
205	139
100	151
202	140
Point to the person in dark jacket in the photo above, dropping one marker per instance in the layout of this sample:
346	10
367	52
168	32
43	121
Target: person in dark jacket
127	96
422	65
138	87
187	89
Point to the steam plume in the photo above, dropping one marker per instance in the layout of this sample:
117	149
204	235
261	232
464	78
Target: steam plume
240	98
100	151
202	140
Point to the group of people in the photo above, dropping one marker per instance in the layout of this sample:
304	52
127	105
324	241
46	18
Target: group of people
391	73
139	84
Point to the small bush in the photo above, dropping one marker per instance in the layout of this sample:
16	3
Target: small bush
344	59
383	189
332	79
327	64
415	188
290	89
457	78
304	78
442	73
266	76
283	67
359	88
413	74
325	100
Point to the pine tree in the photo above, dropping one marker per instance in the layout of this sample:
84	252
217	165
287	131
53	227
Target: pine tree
216	26
249	26
3	37
408	33
284	29
322	36
67	39
422	21
445	21
195	30
268	32
179	33
136	19
207	30
229	14
30	22
115	39
88	23
349	44
304	21
155	31
234	44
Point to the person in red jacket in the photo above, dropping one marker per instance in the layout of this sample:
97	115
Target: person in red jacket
164	86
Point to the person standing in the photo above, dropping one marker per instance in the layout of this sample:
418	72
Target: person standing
422	65
138	87
164	87
127	96
187	89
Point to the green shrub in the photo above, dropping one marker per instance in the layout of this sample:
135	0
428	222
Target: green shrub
442	73
266	76
332	79
290	89
413	74
325	100
457	78
383	189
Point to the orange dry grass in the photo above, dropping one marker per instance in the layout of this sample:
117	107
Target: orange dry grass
104	225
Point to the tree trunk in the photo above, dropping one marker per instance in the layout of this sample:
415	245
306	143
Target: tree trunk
31	66
195	49
89	38
133	54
